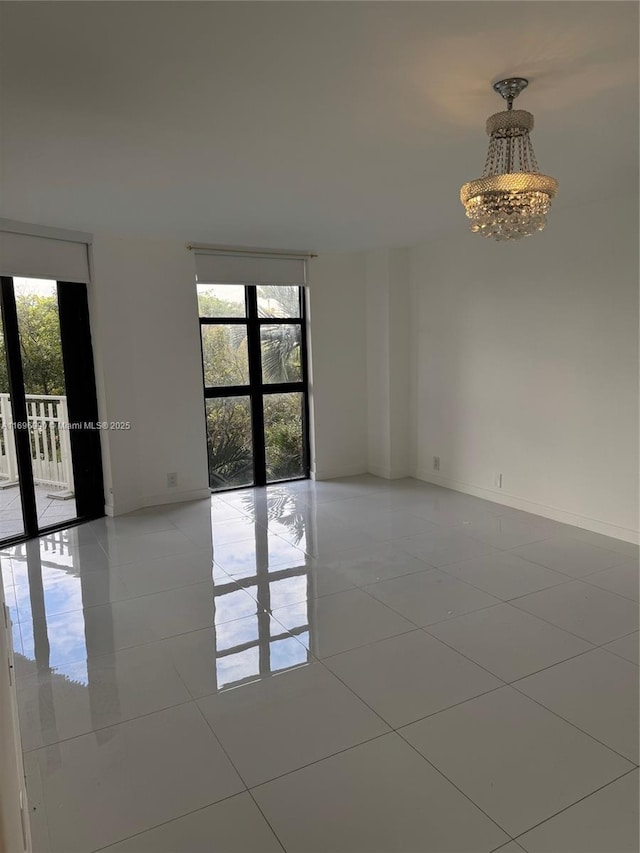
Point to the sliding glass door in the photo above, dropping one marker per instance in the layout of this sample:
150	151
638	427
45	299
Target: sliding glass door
11	514
255	383
50	462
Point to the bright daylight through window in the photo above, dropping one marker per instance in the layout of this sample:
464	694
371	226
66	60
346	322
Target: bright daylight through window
255	383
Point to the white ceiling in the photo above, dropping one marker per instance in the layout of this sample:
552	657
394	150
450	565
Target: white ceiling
325	125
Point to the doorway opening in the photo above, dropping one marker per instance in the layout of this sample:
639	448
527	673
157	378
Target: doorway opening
254	359
50	461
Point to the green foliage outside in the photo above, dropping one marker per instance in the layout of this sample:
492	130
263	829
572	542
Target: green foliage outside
225	361
40	346
283	434
224	355
229	442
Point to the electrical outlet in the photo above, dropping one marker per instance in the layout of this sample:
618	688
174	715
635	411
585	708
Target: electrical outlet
436	463
497	480
172	480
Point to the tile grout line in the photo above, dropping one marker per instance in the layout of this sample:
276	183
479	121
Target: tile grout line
319	760
163	823
632	769
521	692
566	579
623	637
266	820
466	796
157	641
566	808
573	634
361	646
462	615
152	642
396	729
438	622
612	591
392	730
437	639
361	699
55	743
520	677
424	628
623	558
551	665
358	697
106	603
581	579
321	661
495	675
166	822
575	726
240	776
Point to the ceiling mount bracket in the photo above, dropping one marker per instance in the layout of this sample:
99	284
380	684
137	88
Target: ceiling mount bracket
510	88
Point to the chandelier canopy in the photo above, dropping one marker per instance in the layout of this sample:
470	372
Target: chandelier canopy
511	199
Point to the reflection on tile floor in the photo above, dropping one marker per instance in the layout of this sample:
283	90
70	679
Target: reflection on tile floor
351	666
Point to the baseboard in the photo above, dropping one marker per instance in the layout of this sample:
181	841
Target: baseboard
123	507
388	473
333	474
499	497
120	508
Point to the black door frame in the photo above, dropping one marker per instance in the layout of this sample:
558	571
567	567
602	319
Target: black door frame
256	389
82	405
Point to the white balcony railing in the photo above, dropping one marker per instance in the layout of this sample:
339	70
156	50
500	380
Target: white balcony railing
49	440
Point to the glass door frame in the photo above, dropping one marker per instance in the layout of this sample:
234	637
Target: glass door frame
82	402
256	390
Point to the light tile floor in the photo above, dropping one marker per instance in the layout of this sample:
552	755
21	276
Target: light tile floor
363	667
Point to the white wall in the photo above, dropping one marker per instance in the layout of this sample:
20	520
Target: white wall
527	365
337	303
145	331
388	412
515	359
146	342
399	360
378	363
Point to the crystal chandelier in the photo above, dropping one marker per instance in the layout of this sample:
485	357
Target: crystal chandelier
511	199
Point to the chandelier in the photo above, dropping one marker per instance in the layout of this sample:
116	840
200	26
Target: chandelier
511	199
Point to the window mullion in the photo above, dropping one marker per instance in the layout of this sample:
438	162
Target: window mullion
255	381
304	356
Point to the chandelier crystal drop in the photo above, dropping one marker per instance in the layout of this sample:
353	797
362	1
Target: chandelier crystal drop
512	199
